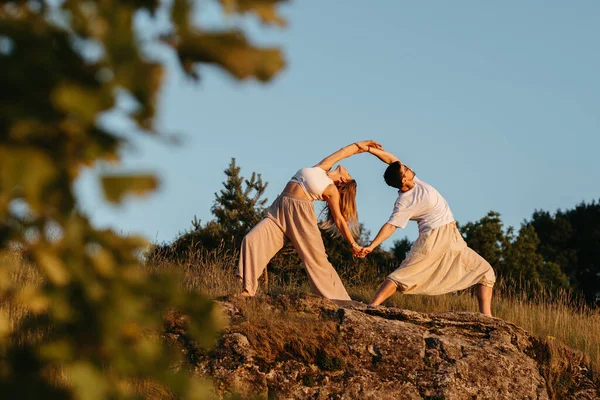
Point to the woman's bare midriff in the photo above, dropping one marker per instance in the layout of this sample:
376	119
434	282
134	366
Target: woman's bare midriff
294	189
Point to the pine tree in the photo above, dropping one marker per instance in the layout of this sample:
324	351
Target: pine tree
238	206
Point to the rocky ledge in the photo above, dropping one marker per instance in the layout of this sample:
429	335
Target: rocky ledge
305	347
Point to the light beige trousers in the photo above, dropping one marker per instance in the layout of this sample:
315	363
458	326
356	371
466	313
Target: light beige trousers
289	218
440	262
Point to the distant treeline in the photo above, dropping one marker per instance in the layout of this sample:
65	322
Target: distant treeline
554	251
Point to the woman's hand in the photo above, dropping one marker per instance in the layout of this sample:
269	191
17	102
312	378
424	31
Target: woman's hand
356	250
366	144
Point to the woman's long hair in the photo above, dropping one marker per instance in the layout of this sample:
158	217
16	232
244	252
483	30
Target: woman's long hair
347	207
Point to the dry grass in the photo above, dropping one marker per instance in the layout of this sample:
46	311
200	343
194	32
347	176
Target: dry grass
210	272
213	273
288	334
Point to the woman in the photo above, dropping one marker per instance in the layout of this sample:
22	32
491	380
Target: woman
292	217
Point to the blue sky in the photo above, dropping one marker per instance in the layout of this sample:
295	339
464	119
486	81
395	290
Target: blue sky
496	104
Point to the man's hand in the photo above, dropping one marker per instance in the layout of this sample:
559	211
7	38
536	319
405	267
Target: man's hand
365	251
365	144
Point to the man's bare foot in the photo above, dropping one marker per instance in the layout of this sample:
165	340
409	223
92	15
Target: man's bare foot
245	293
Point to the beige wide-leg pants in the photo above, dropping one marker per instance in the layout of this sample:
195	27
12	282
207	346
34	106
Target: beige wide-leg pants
292	218
441	262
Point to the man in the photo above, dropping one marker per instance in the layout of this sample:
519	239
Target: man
439	261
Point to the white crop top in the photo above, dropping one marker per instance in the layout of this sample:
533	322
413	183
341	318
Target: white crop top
313	181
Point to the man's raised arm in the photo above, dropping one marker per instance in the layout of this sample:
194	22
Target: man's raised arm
384	233
383	155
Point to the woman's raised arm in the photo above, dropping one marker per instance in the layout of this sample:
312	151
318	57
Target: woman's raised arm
345	152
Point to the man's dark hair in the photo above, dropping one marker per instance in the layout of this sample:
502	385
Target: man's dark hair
392	175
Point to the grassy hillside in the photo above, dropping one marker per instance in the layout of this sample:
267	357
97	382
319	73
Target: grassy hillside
556	318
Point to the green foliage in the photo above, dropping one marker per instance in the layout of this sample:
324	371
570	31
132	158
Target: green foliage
97	316
514	257
523	261
570	239
555	233
401	248
115	187
487	237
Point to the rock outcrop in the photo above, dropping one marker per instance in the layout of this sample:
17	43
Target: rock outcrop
308	348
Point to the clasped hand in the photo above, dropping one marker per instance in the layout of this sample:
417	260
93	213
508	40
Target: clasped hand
361	252
366	144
